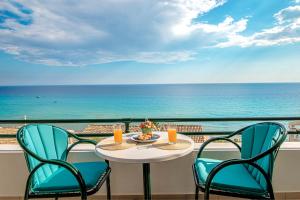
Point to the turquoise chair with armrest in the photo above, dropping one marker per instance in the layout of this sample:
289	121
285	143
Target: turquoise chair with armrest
248	177
46	149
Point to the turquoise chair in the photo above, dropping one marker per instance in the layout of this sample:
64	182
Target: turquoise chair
248	177
46	150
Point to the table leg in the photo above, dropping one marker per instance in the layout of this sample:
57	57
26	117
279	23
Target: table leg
147	183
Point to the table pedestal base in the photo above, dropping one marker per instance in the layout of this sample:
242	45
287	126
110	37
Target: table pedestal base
147	184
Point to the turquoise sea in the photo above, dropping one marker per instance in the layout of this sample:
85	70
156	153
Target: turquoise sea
146	101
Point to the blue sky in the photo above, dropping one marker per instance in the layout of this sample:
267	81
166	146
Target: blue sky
142	41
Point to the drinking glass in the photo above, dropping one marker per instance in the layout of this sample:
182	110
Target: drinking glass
172	134
118	133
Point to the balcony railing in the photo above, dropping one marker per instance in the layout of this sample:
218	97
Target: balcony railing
128	121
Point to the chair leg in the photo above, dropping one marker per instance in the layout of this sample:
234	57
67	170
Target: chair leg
206	194
26	195
197	193
271	191
108	188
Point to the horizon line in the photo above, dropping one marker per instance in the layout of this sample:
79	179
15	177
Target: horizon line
133	84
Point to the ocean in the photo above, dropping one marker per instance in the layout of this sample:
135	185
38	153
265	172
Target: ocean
147	101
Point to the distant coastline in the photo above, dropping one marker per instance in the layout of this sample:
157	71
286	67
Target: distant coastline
133	84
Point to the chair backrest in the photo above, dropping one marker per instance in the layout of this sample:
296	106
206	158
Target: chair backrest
260	138
42	141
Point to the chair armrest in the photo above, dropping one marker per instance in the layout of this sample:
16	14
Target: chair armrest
80	140
217	139
227	163
73	170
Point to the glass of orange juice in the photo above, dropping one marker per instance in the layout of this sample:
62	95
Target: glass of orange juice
172	134
118	133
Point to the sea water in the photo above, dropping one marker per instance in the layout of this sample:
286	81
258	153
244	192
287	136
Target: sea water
150	101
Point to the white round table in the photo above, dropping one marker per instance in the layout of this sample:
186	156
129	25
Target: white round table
145	154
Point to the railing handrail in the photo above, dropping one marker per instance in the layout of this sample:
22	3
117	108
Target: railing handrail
128	121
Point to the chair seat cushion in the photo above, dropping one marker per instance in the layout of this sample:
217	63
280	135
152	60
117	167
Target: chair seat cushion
63	181
233	178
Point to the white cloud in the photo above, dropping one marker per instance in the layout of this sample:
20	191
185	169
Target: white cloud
187	11
82	57
286	31
288	15
79	33
226	28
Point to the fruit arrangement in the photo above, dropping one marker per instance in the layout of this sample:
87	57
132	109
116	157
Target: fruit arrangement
146	136
147	128
148	124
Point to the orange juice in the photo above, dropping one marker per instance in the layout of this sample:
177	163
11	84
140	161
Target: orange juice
172	134
118	136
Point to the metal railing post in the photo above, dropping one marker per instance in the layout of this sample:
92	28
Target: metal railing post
127	125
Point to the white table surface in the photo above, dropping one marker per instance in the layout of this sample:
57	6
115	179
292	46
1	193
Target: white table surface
144	153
